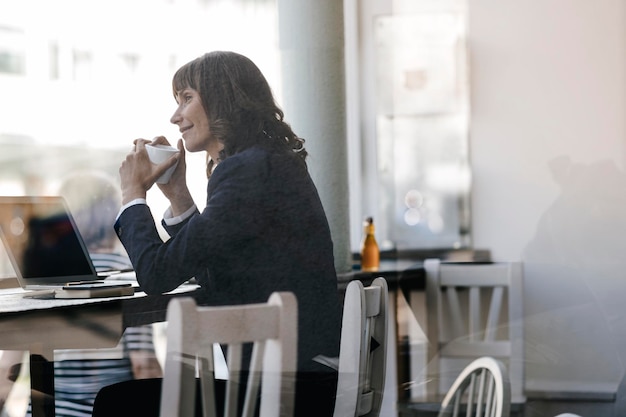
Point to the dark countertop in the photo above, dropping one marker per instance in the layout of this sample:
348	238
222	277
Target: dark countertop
403	269
406	274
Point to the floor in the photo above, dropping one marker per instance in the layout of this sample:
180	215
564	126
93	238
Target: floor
432	409
541	408
532	408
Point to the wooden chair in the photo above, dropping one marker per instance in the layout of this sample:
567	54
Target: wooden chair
482	389
191	333
473	310
362	357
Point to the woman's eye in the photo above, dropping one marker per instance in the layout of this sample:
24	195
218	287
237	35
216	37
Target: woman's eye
188	98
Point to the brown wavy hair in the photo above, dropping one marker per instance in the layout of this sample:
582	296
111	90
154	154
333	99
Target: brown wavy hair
239	104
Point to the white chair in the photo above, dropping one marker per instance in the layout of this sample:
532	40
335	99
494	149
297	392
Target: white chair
473	310
362	357
191	333
482	389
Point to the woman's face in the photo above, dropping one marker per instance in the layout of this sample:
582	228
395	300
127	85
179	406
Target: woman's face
193	121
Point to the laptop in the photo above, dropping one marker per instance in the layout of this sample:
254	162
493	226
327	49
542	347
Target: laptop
44	245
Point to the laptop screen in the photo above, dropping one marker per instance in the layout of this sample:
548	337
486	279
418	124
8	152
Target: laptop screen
42	241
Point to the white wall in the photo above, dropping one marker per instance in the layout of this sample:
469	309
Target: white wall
549	187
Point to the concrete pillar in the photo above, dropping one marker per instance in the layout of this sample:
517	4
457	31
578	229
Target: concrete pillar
311	39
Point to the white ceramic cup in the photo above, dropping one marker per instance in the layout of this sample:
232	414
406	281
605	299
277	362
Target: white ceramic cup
159	154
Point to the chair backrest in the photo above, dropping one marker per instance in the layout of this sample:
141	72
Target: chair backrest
191	333
473	310
482	389
363	351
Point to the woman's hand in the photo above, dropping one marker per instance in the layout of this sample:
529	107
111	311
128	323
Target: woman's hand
138	174
176	189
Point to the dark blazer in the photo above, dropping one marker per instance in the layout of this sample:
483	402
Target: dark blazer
263	230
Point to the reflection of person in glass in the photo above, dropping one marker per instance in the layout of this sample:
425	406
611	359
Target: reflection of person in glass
94	198
263	228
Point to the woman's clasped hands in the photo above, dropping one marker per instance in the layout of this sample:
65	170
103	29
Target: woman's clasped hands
138	174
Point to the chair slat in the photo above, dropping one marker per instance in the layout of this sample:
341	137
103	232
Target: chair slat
475	309
191	335
487	275
489	398
495	307
233	361
254	379
471	395
207	385
483	387
457	321
465	348
480	402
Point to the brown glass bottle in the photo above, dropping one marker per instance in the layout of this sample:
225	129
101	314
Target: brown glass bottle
370	254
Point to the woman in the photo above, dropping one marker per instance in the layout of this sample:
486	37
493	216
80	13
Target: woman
263	228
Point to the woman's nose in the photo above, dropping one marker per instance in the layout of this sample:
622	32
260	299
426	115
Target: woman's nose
175	119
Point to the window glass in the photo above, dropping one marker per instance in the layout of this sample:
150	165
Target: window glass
421	95
78	88
12	51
